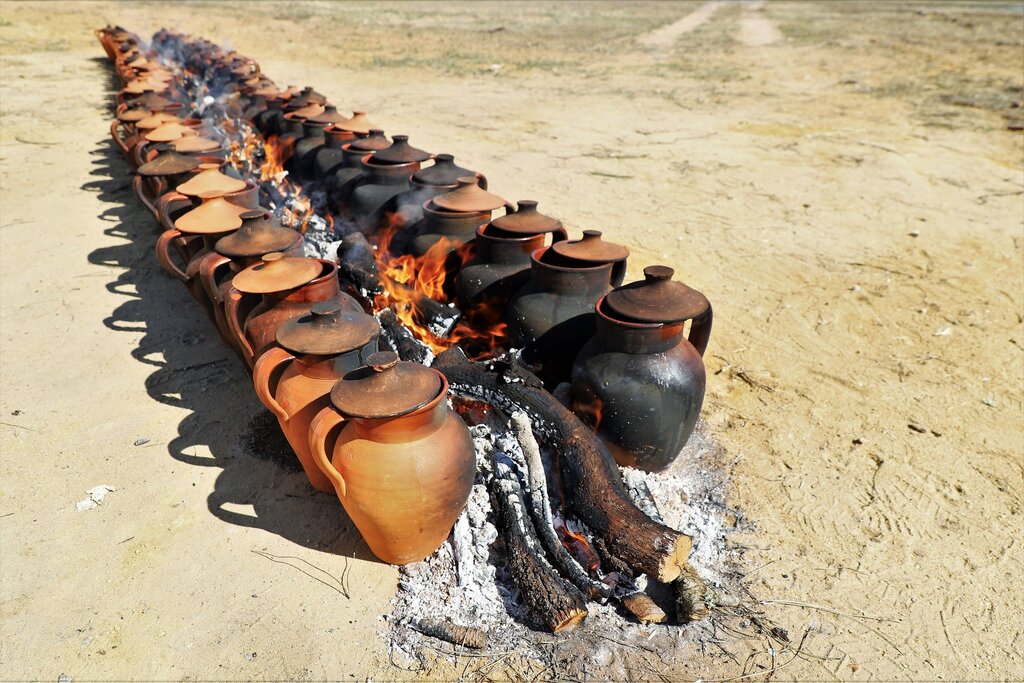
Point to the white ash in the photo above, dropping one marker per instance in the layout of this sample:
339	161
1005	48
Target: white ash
471	586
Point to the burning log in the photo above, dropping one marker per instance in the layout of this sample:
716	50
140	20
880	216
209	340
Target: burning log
540	511
592	480
401	340
464	636
552	600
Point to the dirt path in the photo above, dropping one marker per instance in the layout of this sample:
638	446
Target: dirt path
858	224
666	36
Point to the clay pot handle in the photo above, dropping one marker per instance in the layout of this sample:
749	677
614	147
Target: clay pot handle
115	127
139	185
700	331
170	201
137	154
483	180
232	305
263	372
208	268
559	235
320	429
163	244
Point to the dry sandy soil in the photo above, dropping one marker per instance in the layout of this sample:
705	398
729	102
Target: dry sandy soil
840	179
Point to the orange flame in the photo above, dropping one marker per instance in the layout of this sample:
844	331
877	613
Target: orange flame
407	279
579	547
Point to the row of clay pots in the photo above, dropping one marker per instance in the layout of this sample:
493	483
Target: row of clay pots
552	297
377	432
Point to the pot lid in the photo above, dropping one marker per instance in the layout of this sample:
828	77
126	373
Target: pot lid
328	331
330	114
385	387
169	162
401	152
276	273
260	234
657	298
167	131
442	172
527	220
154	102
308	111
143	85
210	182
268	90
290	92
195	143
371	143
214	215
469	196
359	123
306	97
134	114
591	249
155	120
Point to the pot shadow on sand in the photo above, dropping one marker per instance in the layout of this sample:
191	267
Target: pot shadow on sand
226	427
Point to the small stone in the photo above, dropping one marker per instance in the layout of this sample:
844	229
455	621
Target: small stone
140	442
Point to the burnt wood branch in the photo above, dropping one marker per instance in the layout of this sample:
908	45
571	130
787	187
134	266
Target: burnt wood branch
540	511
550	599
399	338
633	598
357	266
643	608
437	317
593	485
464	636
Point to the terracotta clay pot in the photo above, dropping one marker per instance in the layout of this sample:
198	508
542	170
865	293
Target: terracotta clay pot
278	289
342	181
639	382
552	316
294	379
406	209
403	463
501	262
258	236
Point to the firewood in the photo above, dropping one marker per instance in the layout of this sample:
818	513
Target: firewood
540	511
550	599
399	338
357	266
643	608
691	597
464	636
592	480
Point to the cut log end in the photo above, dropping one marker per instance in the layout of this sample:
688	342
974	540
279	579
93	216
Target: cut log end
643	608
676	560
570	620
691	597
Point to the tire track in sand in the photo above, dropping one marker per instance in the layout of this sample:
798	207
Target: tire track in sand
665	36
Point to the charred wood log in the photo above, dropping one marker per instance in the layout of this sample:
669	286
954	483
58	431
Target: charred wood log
592	481
643	608
399	338
437	317
540	511
553	601
465	636
357	266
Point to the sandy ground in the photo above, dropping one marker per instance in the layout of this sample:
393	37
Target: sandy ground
838	178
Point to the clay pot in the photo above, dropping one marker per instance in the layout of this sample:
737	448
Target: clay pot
329	157
166	168
295	378
403	463
552	316
385	175
501	262
258	236
406	209
342	181
174	206
275	290
454	216
359	124
640	381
